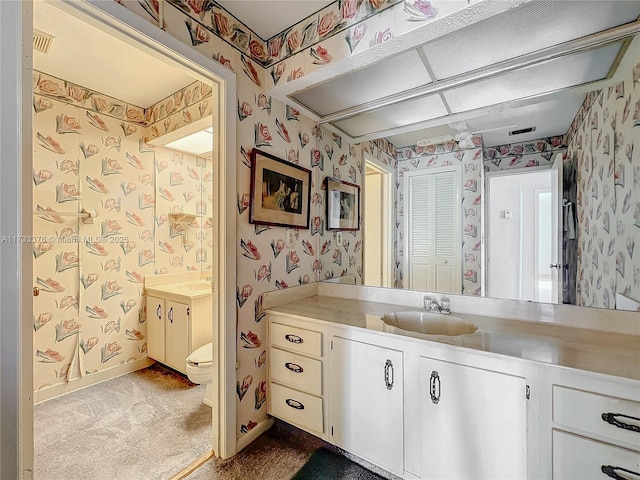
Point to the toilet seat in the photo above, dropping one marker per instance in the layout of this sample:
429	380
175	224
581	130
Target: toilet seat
200	365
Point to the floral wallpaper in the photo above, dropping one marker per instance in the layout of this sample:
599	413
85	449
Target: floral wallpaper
347	28
533	153
90	153
604	144
419	158
264	262
341	29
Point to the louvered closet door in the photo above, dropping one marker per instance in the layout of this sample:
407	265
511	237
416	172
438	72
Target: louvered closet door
433	231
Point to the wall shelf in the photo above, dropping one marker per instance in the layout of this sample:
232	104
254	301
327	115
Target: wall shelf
186	217
183	217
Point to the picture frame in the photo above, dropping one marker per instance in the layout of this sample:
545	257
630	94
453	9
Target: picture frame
343	205
280	192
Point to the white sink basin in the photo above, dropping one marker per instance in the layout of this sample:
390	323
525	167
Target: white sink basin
429	323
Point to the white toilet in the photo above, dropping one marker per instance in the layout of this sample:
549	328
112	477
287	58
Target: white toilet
200	370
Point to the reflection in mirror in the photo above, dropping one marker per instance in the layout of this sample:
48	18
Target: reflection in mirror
553	219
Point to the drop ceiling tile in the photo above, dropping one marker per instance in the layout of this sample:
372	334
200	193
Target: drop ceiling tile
528	28
551	118
544	77
392	75
400	114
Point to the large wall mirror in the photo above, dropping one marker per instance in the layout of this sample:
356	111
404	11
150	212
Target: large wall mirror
547	214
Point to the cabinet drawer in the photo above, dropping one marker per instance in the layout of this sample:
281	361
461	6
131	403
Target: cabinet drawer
298	371
296	339
296	407
580	458
585	411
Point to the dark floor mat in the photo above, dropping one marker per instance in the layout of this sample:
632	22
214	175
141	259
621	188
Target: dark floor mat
327	465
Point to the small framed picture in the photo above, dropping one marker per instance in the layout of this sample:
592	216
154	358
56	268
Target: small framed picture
280	192
343	205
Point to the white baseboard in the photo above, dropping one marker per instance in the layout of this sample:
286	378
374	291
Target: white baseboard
91	379
253	434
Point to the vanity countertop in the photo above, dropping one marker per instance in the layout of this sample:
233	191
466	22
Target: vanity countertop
580	348
184	291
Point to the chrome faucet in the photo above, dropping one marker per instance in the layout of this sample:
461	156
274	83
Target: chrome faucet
431	305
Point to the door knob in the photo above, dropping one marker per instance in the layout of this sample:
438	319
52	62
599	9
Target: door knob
555	265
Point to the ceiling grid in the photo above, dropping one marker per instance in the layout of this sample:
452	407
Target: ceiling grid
539	51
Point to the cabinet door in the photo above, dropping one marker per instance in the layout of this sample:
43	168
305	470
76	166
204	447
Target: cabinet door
156	328
177	339
366	398
472	422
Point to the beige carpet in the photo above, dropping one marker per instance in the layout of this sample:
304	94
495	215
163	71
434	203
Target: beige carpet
277	455
150	425
146	425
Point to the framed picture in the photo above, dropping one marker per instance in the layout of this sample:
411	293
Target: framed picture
343	205
280	192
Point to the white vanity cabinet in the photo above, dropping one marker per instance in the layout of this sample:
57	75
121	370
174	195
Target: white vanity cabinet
366	402
296	393
176	326
473	422
594	427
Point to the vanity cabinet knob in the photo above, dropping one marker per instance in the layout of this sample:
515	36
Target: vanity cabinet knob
434	387
293	338
294	367
294	404
388	374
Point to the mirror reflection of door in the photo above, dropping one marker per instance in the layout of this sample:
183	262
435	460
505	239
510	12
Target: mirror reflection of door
432	215
522	236
378	262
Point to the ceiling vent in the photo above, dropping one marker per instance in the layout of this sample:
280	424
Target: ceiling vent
41	41
522	130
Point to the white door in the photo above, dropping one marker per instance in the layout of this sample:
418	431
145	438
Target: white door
366	400
432	220
177	339
473	422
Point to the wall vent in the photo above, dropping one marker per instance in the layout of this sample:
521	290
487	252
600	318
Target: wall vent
41	41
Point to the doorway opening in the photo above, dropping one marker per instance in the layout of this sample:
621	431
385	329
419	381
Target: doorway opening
378	221
524	236
115	123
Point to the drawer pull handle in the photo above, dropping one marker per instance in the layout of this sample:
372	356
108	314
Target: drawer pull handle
610	471
434	387
293	338
294	367
611	418
388	374
294	404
